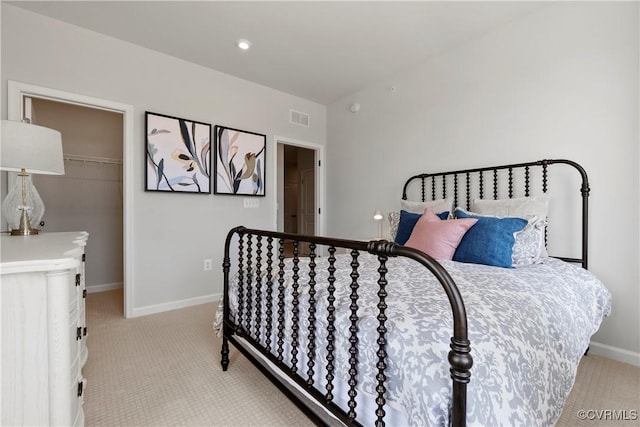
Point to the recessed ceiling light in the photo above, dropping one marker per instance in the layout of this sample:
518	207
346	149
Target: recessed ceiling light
244	44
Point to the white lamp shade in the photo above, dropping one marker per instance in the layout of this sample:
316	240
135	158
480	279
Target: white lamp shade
36	149
377	215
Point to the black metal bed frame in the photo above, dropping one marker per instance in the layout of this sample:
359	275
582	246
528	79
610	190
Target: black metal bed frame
437	182
260	270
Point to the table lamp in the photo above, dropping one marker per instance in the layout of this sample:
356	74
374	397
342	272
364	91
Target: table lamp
377	215
27	149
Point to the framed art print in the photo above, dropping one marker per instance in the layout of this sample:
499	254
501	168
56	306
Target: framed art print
240	162
178	155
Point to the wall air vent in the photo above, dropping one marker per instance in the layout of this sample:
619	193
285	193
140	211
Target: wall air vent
299	118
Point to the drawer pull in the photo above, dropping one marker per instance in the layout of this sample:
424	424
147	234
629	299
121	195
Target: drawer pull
78	279
80	388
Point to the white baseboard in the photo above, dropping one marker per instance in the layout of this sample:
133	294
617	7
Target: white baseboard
173	305
615	353
104	287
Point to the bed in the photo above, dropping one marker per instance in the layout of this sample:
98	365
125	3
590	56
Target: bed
384	333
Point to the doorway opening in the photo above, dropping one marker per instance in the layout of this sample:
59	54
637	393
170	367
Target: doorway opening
299	191
20	97
88	197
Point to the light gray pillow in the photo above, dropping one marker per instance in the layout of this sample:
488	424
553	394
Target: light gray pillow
394	220
437	206
529	247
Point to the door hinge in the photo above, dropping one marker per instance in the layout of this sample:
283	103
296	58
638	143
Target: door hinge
319	163
80	389
319	211
84	257
84	293
84	331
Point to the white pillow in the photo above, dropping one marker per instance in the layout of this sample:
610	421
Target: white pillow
529	246
394	221
436	206
522	207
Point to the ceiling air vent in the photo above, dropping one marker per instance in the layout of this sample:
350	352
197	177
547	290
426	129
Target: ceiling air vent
299	118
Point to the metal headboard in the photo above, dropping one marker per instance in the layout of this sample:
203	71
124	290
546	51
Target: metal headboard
463	183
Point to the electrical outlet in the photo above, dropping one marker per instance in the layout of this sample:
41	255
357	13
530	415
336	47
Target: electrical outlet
250	202
208	265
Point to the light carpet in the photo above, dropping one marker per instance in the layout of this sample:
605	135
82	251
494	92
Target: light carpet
164	370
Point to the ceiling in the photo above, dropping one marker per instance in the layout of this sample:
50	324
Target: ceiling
321	51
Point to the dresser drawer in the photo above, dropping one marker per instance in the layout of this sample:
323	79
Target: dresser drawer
77	397
73	288
79	417
76	367
81	315
74	329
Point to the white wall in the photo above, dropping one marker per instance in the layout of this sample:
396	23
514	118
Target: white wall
173	233
559	83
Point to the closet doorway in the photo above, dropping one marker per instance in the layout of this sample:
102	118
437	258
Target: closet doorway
88	196
114	168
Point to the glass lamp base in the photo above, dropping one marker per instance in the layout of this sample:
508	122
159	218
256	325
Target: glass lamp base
25	228
23	208
27	232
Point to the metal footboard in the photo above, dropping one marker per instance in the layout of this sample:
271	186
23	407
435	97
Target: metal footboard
260	271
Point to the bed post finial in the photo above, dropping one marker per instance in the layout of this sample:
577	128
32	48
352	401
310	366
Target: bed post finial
461	362
241	229
381	247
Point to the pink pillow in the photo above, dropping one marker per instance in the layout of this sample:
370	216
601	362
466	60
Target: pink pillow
436	237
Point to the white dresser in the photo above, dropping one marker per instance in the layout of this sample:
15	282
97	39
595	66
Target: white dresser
43	329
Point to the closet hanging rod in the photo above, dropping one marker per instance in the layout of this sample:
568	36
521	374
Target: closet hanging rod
92	159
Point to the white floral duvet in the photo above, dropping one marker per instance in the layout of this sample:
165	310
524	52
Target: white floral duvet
528	328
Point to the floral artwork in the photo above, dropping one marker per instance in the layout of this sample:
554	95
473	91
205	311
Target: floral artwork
240	161
178	155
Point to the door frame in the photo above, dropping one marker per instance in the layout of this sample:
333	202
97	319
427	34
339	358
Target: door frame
302	200
16	91
319	167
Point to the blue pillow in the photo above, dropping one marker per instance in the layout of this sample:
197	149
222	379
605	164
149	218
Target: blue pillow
408	221
490	240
